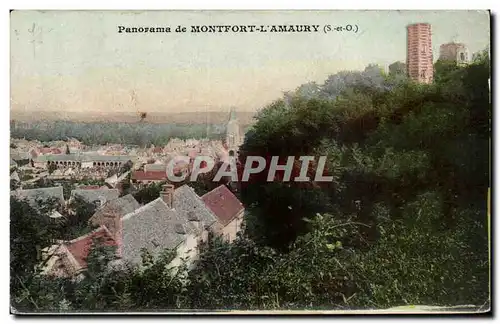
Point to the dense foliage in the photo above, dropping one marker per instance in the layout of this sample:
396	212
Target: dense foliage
403	222
149	192
142	134
410	162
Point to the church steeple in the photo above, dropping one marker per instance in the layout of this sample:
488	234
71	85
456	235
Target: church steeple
233	137
232	114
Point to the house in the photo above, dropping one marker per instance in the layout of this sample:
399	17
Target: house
69	259
228	209
146	177
155	167
156	227
19	156
111	181
157	150
39	151
59	160
49	150
187	203
112	212
99	196
177	220
81	160
14	176
114	180
37	197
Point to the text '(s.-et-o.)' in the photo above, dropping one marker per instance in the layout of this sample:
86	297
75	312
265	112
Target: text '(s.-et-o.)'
225	29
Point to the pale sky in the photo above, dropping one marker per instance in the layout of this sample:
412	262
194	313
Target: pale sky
77	61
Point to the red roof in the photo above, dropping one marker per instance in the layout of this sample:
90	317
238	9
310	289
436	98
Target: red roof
223	203
158	150
149	175
51	150
44	149
81	246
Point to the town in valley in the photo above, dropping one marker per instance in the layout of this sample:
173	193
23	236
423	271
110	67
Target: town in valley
98	225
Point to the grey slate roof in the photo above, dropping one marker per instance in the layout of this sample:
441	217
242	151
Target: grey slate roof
126	204
57	157
188	204
120	206
154	227
16	156
39	194
92	195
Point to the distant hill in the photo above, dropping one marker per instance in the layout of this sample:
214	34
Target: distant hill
214	117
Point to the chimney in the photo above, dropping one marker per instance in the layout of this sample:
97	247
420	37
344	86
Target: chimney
113	223
167	194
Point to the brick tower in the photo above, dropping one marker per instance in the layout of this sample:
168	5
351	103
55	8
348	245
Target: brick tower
419	59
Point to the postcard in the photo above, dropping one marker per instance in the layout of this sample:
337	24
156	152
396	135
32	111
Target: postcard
250	162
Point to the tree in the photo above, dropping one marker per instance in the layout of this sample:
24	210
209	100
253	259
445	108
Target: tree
91	290
126	185
149	193
230	276
31	231
482	57
14	184
205	182
126	167
157	284
79	213
386	146
140	134
443	70
397	68
26	177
